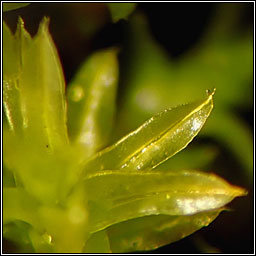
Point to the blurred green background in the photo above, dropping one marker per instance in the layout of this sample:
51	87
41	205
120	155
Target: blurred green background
170	54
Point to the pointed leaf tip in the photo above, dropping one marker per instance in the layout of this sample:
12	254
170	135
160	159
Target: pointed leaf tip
210	93
20	21
153	193
155	141
44	25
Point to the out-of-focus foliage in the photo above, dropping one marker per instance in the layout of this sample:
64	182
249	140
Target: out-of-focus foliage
13	6
120	10
154	82
62	193
91	101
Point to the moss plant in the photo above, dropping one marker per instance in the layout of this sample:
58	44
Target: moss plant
64	190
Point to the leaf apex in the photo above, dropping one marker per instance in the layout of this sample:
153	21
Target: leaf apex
210	93
20	22
238	191
44	25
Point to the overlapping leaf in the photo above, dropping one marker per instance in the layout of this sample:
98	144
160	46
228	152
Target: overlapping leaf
151	232
116	196
35	108
34	85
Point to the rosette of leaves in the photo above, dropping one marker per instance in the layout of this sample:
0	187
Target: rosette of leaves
64	190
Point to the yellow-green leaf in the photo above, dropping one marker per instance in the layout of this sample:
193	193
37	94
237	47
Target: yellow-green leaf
42	89
34	88
14	49
158	139
91	101
151	232
116	196
10	53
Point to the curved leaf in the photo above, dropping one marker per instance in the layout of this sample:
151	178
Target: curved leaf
147	233
91	101
158	139
151	232
116	196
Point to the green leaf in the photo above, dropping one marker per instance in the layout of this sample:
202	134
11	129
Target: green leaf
155	141
116	196
10	53
13	6
120	10
34	89
91	101
42	87
14	49
147	233
35	107
151	232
